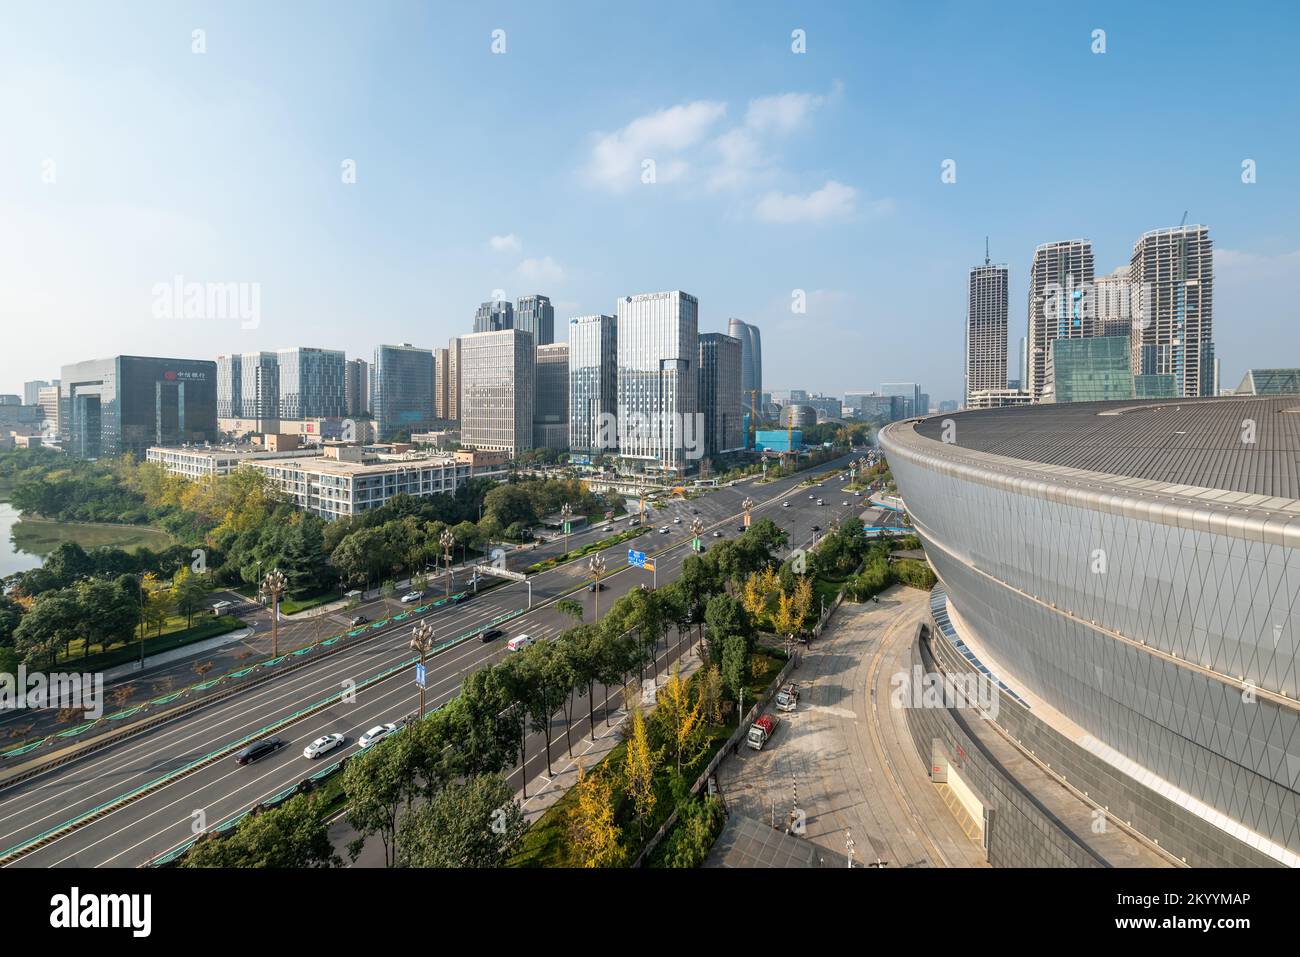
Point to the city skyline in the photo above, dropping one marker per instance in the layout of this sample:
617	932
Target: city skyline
832	192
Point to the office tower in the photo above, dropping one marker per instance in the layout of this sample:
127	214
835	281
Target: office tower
498	386
798	395
923	404
751	364
1115	303
1059	278
494	315
11	398
453	380
593	384
230	382
909	392
551	406
32	391
127	403
535	314
1172	271
260	388
402	390
1088	370
356	388
827	407
658	382
441	377
311	383
986	327
1024	363
48	399
720	392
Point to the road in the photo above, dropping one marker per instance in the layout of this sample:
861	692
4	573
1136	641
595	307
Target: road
167	817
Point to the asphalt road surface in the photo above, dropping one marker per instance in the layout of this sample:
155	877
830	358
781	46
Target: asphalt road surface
153	824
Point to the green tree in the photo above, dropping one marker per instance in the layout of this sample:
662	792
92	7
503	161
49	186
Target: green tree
699	821
378	782
188	594
466	824
293	835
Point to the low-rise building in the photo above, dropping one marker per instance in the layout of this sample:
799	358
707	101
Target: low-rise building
331	488
198	462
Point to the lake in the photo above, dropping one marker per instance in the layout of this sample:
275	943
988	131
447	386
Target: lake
24	542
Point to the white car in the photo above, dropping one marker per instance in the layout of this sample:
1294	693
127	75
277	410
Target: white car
845	502
857	495
664	530
677	521
411	596
322	745
812	496
519	642
377	733
785	504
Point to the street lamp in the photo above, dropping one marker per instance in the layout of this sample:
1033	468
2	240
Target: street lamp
422	641
747	504
566	512
849	845
445	540
274	584
697	527
597	566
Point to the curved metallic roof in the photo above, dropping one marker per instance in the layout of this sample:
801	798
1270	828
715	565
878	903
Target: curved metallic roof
1243	444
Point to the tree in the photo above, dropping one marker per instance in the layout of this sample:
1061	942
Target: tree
752	597
187	594
593	835
724	616
377	783
787	619
681	717
567	606
803	599
735	663
156	607
466	824
52	622
293	835
488	725
639	769
546	681
698	825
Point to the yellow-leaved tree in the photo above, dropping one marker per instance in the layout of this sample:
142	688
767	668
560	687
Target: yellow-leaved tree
803	598
681	717
639	770
753	597
593	835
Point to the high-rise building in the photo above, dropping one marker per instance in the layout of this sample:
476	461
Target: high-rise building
798	395
32	391
356	388
441	380
48	400
453	380
1172	273
128	403
658	382
1059	279
1095	369
402	389
1115	302
551	407
498	388
494	315
260	386
312	383
751	364
909	392
720	392
230	381
986	328
535	314
827	407
593	384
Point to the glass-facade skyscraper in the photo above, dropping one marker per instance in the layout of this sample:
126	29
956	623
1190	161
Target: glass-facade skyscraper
720	392
402	389
494	315
751	363
658	382
593	383
497	374
312	383
128	403
551	409
260	392
535	314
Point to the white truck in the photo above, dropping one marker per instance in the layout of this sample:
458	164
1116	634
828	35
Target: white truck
787	699
762	730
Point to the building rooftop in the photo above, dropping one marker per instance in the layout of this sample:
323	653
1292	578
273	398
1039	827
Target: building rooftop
1192	442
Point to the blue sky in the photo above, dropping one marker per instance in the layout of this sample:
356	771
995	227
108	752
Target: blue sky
521	171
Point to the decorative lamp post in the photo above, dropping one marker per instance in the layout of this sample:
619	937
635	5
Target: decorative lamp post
422	641
274	584
597	566
446	539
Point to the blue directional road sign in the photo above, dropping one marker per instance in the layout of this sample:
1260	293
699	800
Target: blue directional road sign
420	675
635	559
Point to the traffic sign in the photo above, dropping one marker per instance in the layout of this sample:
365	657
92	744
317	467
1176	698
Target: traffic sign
747	520
420	675
648	565
695	544
636	559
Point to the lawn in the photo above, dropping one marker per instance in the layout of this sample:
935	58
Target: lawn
206	627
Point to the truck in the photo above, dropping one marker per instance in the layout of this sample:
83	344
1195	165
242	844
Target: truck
761	730
787	699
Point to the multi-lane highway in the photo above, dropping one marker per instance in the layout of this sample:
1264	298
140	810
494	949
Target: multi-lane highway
170	815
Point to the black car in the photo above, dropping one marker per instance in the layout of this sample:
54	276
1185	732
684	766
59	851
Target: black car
492	634
591	586
816	528
460	597
258	749
359	619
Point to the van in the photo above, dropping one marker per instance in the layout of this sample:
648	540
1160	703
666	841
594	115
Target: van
519	642
222	608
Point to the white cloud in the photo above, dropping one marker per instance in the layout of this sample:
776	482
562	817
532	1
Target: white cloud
509	243
544	269
616	158
781	113
832	201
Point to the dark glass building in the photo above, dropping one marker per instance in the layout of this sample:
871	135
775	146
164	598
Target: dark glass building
128	403
402	389
535	314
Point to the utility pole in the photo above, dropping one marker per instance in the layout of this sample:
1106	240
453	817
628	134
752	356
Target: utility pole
422	641
566	512
273	584
445	540
597	567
